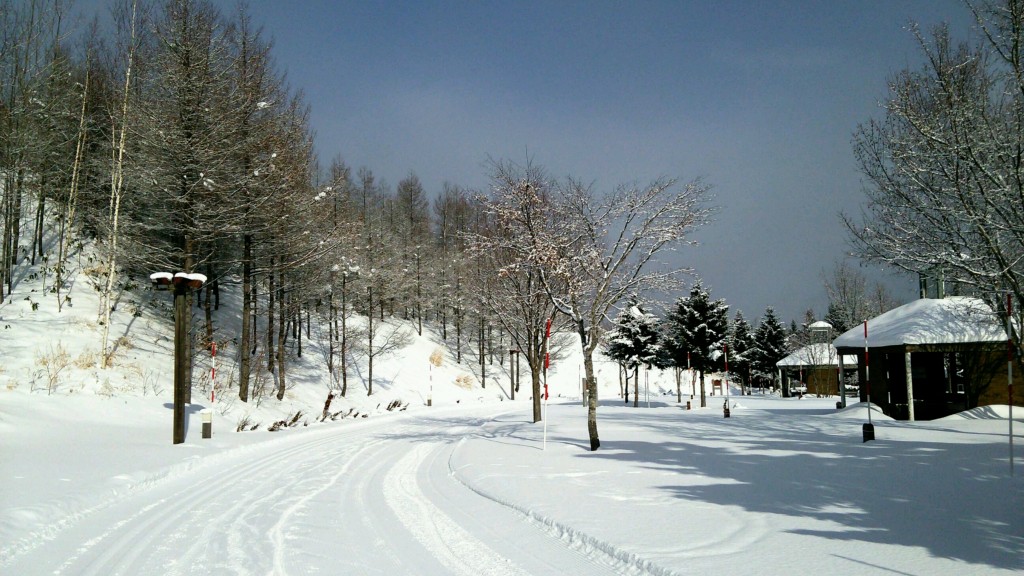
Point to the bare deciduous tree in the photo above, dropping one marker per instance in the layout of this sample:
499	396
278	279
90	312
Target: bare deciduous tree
945	184
590	250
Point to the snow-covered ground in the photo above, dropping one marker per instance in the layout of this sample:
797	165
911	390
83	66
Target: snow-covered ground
91	484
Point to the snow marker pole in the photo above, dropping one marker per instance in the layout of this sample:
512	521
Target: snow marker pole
213	371
547	362
869	428
725	351
1009	370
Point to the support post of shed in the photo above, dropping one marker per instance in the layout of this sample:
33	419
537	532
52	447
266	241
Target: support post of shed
910	386
842	387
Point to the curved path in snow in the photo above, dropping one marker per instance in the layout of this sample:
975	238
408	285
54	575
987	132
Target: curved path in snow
376	496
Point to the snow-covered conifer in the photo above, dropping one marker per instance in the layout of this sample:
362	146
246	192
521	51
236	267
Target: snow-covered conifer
697	327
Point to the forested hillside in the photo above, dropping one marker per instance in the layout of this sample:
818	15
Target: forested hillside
173	143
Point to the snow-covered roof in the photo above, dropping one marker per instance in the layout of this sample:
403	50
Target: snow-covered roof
823	354
953	320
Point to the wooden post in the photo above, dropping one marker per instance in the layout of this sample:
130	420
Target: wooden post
910	386
842	386
180	359
181	283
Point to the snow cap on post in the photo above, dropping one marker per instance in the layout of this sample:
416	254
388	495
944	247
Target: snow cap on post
192	280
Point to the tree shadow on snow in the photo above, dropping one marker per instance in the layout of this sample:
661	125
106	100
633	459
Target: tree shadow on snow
916	494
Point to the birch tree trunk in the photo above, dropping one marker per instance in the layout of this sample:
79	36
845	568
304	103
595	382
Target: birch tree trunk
64	236
116	190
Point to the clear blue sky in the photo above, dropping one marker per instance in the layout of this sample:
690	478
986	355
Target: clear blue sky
760	98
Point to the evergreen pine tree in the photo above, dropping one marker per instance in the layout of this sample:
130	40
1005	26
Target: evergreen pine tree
769	346
634	341
836	316
698	327
741	343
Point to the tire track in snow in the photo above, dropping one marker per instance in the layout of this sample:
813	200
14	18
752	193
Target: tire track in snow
454	547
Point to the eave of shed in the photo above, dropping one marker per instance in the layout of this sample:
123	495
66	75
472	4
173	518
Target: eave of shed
816	355
928	321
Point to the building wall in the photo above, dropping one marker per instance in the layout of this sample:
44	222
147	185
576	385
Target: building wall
935	394
998	392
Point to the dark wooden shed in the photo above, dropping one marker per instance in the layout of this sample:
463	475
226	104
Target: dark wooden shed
927	358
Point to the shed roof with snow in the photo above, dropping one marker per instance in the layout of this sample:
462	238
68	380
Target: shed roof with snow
929	321
822	354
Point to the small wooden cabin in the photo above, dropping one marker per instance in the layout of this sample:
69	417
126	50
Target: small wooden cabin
931	358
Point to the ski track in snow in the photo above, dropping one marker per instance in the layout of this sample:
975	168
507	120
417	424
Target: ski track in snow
374	497
457	550
618	560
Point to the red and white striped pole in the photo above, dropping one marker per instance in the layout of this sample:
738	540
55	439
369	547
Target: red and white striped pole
213	371
869	428
547	362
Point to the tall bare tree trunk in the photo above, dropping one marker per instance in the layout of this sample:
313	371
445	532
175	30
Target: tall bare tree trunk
344	337
270	318
636	386
588	370
369	340
64	237
244	343
37	235
482	351
207	306
282	335
116	189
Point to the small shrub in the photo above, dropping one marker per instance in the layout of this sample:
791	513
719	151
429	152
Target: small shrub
87	359
149	379
243	424
53	363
